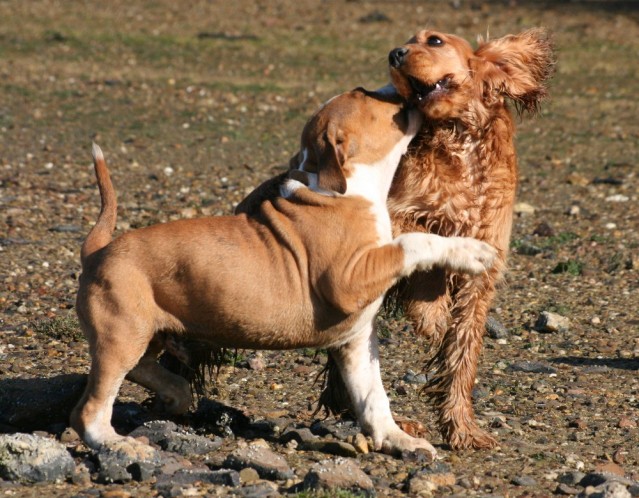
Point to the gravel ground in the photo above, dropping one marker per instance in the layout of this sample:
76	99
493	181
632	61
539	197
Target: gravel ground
193	106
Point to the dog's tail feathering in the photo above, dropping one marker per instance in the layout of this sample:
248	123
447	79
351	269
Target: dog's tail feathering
102	232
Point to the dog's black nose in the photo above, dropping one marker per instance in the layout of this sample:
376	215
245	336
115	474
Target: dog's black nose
397	56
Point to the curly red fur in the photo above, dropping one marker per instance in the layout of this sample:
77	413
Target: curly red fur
459	178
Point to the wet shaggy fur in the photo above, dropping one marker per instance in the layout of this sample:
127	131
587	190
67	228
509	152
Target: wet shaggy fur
459	178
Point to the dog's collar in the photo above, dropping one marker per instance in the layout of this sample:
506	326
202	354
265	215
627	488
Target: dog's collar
297	179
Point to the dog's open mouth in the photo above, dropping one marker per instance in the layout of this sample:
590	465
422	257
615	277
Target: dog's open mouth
423	90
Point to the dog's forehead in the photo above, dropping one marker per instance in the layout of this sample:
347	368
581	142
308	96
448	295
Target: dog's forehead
421	38
351	112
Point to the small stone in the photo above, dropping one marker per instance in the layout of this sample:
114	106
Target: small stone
626	423
619	456
360	443
577	179
268	464
338	448
431	478
29	459
186	478
523	208
617	198
257	362
565	489
124	460
414	378
300	435
495	329
531	367
571	478
524	481
69	436
340	473
610	468
248	475
552	322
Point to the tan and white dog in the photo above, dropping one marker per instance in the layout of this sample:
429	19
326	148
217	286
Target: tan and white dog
309	269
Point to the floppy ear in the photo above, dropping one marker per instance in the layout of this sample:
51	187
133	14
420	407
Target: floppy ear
516	66
332	154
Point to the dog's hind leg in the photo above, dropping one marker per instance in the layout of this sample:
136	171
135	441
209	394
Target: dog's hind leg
113	354
173	391
426	301
455	364
358	363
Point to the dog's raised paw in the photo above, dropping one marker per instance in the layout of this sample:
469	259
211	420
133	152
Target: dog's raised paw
471	256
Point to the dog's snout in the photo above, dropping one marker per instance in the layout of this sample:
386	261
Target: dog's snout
397	56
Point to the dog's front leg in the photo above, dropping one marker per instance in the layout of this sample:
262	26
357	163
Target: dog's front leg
358	363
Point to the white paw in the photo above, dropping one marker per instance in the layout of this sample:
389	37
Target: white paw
470	255
397	441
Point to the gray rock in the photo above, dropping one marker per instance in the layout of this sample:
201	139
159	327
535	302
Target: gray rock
551	322
169	437
495	329
126	460
338	448
571	478
269	465
37	403
565	489
611	489
531	367
301	435
524	481
430	478
259	490
28	459
172	484
414	378
340	473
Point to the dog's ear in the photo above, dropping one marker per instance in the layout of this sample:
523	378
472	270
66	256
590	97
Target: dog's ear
516	66
332	154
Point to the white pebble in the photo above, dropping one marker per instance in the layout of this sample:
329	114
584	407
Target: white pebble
617	198
168	171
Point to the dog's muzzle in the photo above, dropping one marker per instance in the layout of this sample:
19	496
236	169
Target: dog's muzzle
397	56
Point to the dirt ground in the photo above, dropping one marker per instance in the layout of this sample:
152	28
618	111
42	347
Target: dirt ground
195	103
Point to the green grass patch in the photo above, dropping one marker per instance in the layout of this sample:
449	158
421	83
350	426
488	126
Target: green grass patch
61	328
572	266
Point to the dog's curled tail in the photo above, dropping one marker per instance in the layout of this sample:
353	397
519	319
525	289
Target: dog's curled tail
102	232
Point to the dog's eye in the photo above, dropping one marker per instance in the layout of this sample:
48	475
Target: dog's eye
434	41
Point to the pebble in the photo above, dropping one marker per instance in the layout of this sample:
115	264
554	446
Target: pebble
571	478
269	465
339	473
626	423
174	484
168	437
607	490
414	378
360	443
338	448
524	208
249	475
531	367
29	459
495	329
524	481
551	322
617	198
125	460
